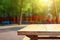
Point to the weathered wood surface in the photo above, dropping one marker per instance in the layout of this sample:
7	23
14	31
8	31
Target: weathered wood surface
34	28
53	27
40	29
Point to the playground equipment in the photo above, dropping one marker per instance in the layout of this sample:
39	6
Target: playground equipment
58	19
35	17
25	22
5	22
37	22
31	22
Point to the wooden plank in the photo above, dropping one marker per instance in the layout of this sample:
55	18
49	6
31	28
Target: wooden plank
35	27
42	27
31	29
48	37
53	28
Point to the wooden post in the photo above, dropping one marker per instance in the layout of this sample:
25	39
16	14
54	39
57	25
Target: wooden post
32	37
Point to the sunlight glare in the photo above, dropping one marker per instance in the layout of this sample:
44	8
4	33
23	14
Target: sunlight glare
44	1
47	2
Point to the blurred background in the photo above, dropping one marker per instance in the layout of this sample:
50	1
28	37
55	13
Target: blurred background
29	12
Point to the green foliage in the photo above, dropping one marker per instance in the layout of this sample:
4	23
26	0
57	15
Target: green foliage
7	8
16	7
3	7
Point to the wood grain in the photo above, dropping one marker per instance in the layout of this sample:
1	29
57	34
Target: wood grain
40	29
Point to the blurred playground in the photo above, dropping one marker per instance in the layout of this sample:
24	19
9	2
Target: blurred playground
29	12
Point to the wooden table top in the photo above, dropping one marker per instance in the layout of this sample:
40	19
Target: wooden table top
39	29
